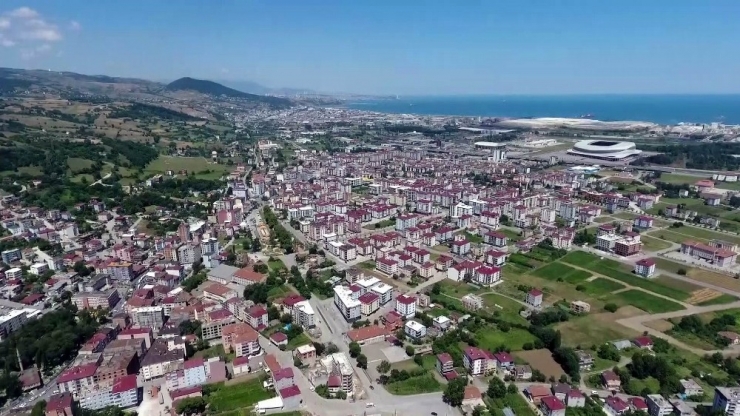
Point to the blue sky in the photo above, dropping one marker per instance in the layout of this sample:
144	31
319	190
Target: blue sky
427	47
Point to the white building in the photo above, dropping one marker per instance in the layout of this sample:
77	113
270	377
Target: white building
645	267
14	273
384	292
461	209
350	308
12	320
658	405
415	329
38	268
727	400
303	314
406	306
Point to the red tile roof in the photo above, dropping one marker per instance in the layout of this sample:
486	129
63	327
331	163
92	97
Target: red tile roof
77	373
553	403
365	333
290	392
124	383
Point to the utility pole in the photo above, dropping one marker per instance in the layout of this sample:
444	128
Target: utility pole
20	363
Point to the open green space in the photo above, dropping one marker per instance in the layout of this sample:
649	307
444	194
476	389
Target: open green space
237	396
719	300
507	308
296	342
202	167
214	351
515	402
513	236
601	286
603	220
557	270
689	232
624	215
368	265
515	338
473	238
381	224
279	292
592	329
618	271
76	163
415	385
678	179
648	302
276	264
654	244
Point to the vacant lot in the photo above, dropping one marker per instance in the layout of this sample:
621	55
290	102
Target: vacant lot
654	244
237	396
415	385
648	302
699	274
601	286
684	233
515	338
618	271
557	270
191	164
542	360
597	328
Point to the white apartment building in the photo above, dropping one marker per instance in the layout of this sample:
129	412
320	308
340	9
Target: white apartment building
384	292
415	329
303	314
350	308
14	273
38	268
658	405
12	320
461	209
406	306
727	400
367	284
148	317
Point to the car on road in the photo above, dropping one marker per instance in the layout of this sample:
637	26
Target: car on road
434	413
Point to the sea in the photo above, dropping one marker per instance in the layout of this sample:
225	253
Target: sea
660	109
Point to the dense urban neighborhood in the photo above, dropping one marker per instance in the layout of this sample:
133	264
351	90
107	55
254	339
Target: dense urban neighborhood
327	261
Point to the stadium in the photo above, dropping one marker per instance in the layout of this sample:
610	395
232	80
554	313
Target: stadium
604	149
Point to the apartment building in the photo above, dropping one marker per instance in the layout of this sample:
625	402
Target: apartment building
303	314
107	299
148	317
241	339
406	306
349	307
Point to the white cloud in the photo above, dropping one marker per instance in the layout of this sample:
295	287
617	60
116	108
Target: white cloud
23	13
30	31
75	25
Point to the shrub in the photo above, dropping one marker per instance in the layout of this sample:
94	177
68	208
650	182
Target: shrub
682	272
611	307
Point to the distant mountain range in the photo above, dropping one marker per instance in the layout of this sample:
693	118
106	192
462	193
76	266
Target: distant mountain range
255	88
216	89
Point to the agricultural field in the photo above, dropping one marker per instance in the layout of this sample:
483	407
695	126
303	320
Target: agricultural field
237	396
542	360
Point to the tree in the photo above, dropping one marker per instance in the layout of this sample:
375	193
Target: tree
191	406
410	350
331	348
384	367
297	362
512	389
478	411
362	361
354	349
455	391
611	307
320	348
436	288
39	409
496	388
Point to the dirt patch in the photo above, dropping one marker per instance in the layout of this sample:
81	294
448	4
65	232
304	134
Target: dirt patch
703	295
717	279
660	325
541	360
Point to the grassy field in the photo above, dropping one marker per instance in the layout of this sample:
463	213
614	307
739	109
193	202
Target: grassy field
681	234
511	235
237	396
699	274
616	270
648	302
604	219
192	164
276	264
680	179
381	224
601	286
516	402
557	270
593	329
515	338
654	244
296	342
473	238
415	385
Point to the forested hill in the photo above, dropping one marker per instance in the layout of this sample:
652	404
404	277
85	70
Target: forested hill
216	89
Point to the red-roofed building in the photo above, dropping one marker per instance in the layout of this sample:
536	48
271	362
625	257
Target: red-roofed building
717	256
645	267
474	360
138	333
283	378
637	404
534	298
552	406
444	364
290	301
370	302
279	338
615	406
240	365
368	334
291	397
246	276
257	317
60	405
78	379
643	342
392	321
406	306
